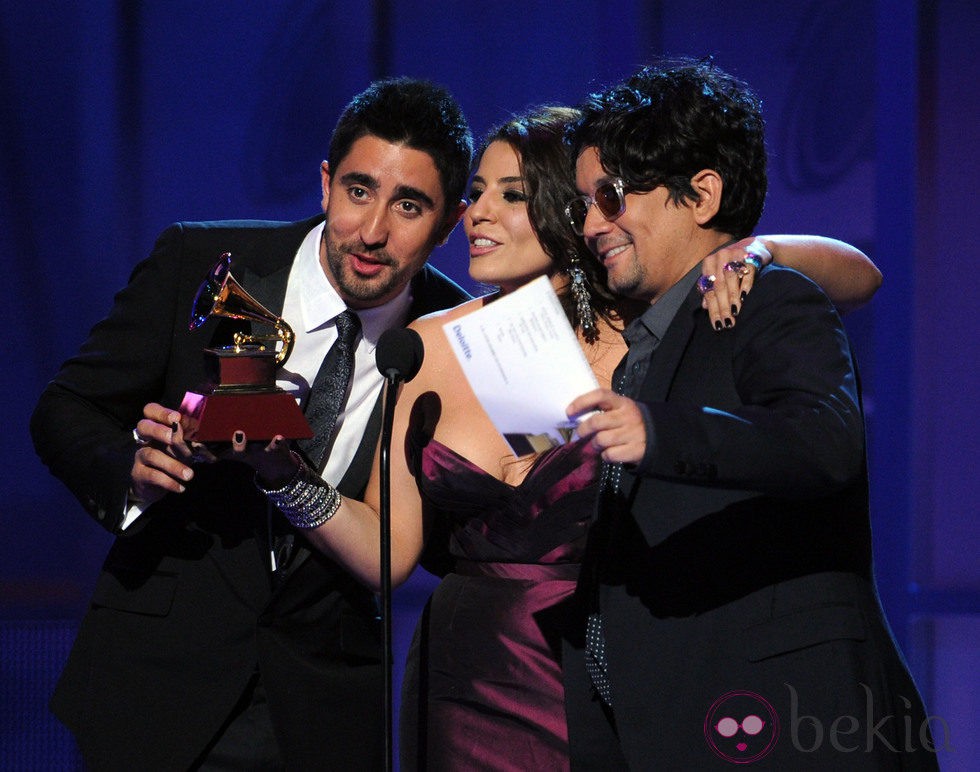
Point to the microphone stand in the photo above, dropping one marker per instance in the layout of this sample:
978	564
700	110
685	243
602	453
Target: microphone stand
399	357
387	420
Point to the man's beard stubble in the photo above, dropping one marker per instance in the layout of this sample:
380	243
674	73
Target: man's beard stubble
365	290
627	280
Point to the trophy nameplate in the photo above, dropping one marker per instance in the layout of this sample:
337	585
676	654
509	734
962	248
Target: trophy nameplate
243	395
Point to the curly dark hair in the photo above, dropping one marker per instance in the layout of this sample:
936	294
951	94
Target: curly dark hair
418	114
546	167
671	120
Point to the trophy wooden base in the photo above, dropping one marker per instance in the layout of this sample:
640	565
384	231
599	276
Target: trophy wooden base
262	415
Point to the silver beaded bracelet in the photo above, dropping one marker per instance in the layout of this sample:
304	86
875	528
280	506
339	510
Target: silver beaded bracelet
307	500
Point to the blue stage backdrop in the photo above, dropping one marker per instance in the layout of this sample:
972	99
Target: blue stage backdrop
118	118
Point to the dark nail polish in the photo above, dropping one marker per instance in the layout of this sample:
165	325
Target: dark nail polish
173	428
728	323
744	295
718	326
239	436
734	310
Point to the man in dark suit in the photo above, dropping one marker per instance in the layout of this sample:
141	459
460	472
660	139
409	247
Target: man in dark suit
729	608
207	645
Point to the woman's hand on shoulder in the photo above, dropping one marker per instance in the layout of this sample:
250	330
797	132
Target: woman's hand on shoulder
727	277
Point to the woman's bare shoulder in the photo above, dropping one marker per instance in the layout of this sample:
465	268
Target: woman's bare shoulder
439	366
431	325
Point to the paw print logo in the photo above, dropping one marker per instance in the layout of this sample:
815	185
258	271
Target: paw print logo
741	727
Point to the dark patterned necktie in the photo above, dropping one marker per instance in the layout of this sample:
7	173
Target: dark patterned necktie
596	662
329	389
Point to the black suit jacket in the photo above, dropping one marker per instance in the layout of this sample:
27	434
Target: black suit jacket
184	610
737	557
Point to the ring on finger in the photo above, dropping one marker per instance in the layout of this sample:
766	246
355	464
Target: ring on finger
140	440
706	283
753	260
740	268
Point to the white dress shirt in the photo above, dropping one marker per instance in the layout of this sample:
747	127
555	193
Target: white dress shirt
310	307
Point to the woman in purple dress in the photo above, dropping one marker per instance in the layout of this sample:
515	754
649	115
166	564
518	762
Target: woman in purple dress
483	685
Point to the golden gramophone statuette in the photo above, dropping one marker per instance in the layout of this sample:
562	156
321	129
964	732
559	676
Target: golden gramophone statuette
245	396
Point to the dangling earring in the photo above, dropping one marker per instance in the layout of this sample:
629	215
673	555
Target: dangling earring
584	312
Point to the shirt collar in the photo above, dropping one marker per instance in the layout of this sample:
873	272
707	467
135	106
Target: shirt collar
657	318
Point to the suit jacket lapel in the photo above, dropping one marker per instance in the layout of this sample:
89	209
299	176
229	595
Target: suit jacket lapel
656	387
667	356
272	256
269	290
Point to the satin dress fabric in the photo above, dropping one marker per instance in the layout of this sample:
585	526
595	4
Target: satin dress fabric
483	687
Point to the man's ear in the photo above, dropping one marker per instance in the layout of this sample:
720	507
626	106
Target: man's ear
452	219
709	187
324	184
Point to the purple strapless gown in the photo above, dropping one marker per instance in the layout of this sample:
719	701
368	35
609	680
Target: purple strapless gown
483	684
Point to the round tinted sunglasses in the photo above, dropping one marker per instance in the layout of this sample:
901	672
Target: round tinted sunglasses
610	200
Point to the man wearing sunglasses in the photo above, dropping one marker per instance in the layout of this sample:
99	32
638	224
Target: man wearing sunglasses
731	551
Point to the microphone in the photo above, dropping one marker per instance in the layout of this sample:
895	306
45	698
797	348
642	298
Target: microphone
399	354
